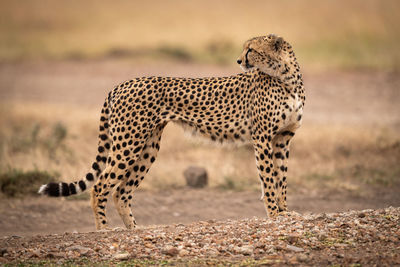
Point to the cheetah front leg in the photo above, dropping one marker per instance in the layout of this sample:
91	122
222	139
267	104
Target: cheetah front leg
123	194
281	144
263	153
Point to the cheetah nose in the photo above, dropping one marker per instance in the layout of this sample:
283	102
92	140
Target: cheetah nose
239	61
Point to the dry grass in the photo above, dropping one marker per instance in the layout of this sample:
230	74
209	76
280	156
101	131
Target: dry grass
323	157
351	33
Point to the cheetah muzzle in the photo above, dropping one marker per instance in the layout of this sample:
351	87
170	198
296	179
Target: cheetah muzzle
264	105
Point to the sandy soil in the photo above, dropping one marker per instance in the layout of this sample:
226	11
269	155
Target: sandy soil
30	216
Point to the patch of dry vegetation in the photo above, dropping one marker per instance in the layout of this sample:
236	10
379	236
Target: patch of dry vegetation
322	157
355	33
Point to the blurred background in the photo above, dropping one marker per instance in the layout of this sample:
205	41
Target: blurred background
58	60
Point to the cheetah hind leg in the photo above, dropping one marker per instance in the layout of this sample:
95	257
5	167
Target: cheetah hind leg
98	199
116	171
123	194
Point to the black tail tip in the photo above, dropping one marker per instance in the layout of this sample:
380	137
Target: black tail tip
52	189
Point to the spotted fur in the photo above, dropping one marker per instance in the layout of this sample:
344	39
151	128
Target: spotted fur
263	105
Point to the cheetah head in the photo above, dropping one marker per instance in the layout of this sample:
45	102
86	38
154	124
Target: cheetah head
269	54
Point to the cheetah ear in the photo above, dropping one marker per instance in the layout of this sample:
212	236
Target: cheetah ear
277	44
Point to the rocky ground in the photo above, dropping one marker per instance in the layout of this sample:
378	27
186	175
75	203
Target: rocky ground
357	238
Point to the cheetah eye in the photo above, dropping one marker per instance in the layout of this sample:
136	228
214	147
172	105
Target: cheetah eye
250	50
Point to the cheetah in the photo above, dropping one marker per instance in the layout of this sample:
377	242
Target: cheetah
263	105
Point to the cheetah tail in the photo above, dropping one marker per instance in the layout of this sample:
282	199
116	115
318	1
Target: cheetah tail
67	189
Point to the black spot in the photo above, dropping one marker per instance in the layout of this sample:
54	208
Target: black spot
152	159
82	185
287	133
89	177
103	137
142	169
137	149
121	166
95	166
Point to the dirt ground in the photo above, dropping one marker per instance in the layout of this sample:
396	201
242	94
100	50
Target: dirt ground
31	216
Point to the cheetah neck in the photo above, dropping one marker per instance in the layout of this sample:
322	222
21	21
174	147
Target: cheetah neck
292	79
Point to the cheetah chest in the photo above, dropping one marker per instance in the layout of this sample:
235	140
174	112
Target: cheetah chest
293	112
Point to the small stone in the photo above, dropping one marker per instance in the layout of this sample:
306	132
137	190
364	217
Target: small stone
292	239
302	257
244	250
3	251
54	255
361	215
183	252
196	177
35	253
82	250
149	245
170	251
121	256
148	238
294	248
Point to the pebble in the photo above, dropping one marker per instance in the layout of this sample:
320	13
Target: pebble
183	252
294	248
302	257
3	251
170	251
121	256
244	250
82	250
